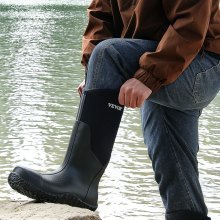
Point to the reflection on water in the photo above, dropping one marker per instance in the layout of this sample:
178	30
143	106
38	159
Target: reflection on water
39	72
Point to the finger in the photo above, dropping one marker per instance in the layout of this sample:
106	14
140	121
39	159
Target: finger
140	101
121	97
133	100
127	98
80	90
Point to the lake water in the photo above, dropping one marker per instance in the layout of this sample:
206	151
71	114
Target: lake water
39	72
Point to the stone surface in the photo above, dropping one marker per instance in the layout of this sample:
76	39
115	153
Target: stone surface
29	210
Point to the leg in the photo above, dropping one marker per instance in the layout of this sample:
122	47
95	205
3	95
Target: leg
172	139
89	150
170	127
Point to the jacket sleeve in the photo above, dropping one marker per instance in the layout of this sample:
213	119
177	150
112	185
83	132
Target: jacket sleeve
189	21
100	27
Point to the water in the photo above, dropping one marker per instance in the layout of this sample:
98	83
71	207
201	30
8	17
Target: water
39	72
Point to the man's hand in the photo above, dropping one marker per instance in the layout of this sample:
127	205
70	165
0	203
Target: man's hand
81	87
133	93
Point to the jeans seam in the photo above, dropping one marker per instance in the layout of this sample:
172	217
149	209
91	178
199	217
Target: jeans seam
94	77
179	167
195	88
198	82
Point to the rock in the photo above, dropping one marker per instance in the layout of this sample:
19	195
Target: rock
29	210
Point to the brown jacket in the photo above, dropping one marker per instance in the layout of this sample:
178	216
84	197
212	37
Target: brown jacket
182	28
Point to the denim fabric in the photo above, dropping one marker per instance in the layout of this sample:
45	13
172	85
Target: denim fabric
195	88
169	117
114	61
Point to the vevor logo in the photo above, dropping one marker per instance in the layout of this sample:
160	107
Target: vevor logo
113	106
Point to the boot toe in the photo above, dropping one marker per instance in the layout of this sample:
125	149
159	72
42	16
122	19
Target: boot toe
43	189
25	181
26	174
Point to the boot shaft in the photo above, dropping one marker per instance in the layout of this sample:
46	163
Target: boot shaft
101	110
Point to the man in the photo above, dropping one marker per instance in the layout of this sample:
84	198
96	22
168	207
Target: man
162	56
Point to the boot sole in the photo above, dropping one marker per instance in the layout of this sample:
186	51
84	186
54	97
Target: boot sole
20	185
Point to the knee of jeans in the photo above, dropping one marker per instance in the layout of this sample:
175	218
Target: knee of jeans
105	48
102	71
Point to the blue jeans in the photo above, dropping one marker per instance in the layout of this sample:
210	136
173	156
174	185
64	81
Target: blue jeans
169	117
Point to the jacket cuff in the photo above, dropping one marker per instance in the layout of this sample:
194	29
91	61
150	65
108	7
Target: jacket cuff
149	80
